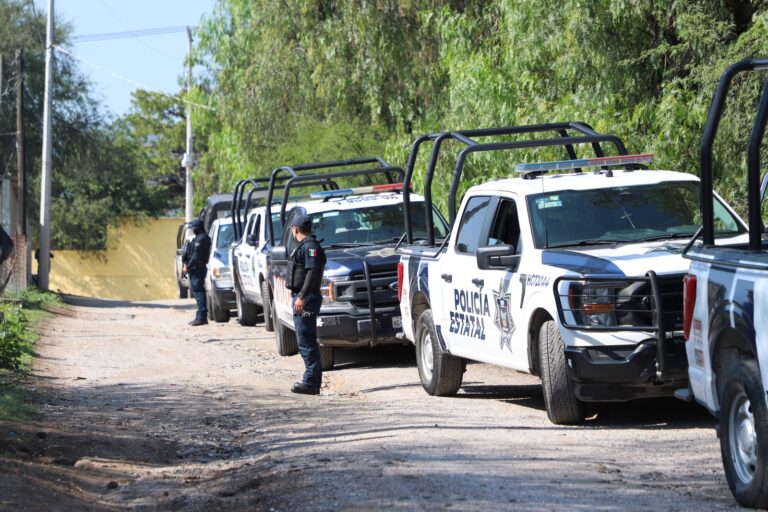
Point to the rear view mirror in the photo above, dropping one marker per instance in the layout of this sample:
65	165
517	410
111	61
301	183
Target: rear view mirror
278	253
253	240
497	257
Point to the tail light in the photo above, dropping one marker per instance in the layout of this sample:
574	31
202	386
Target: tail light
399	281
689	301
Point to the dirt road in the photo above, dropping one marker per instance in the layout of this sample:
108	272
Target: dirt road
141	411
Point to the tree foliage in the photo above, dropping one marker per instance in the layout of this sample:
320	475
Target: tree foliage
389	71
95	178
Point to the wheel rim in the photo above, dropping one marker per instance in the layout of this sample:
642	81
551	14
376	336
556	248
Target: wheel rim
742	438
427	355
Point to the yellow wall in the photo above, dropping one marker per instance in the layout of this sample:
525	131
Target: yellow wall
138	267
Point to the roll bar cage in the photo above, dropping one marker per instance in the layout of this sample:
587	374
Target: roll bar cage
294	172
259	187
586	135
706	170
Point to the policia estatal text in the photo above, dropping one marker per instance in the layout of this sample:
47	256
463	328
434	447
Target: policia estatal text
305	273
195	261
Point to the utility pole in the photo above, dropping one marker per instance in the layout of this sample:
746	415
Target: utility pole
44	259
21	175
189	160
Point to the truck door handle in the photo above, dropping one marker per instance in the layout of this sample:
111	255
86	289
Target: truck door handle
478	282
447	277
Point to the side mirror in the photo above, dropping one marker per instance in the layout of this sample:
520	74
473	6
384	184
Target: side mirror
253	240
497	257
279	253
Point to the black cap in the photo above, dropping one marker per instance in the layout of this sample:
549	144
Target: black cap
196	224
301	220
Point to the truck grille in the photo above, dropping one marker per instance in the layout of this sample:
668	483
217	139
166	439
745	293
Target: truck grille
356	290
671	291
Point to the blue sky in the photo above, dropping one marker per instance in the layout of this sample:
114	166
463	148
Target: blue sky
156	62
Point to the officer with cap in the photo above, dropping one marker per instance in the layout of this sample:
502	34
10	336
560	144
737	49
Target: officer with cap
195	262
305	274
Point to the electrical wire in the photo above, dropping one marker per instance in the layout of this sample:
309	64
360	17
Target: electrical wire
137	34
128	34
34	22
130	81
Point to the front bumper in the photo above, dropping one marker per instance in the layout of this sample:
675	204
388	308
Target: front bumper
621	373
225	297
352	330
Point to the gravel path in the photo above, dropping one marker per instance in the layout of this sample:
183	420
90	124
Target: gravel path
140	411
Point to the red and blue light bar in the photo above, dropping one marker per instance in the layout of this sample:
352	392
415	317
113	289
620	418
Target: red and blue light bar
561	165
356	190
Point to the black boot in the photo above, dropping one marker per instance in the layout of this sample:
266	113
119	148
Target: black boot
305	389
197	322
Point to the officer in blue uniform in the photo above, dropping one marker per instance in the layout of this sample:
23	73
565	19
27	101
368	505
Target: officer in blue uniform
305	274
196	266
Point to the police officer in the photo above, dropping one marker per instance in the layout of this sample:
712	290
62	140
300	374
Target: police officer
195	262
305	273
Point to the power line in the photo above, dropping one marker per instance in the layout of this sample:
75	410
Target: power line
127	34
130	81
34	22
139	39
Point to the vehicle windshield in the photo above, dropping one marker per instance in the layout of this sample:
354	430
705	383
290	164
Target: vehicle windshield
371	225
224	236
622	214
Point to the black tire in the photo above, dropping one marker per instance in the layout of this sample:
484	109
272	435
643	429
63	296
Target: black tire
183	291
744	435
209	306
441	374
266	298
285	338
216	312
247	313
563	408
326	358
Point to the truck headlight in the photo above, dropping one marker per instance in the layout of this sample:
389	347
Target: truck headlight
594	305
328	288
221	273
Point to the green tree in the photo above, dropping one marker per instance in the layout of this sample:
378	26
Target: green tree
95	177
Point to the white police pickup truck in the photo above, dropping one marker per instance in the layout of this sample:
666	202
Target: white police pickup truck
248	264
358	228
248	261
218	281
726	313
576	278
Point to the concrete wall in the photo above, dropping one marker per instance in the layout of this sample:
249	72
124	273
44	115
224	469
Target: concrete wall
138	266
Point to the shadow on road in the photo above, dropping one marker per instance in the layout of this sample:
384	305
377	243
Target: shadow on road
93	302
396	356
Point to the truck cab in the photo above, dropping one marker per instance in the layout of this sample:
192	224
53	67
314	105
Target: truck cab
358	228
248	264
726	312
218	281
574	277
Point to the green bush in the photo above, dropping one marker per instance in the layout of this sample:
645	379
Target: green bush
20	314
15	337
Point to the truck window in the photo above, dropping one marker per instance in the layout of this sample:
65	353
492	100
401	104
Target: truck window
380	224
224	236
624	214
469	233
505	229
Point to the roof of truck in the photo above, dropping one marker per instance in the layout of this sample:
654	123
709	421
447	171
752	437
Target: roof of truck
582	181
352	202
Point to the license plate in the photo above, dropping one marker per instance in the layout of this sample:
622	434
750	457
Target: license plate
397	322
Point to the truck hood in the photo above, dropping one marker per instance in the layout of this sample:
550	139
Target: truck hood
663	257
349	260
